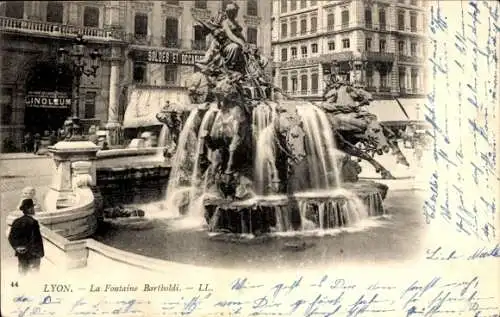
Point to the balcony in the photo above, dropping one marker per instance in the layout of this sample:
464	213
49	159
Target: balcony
140	39
171	43
379	56
199	45
410	59
40	28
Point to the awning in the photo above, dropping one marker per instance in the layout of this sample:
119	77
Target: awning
145	103
389	110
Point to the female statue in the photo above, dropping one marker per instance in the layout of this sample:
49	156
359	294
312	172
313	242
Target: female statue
235	44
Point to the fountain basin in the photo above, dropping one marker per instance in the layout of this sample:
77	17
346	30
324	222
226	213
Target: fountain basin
302	211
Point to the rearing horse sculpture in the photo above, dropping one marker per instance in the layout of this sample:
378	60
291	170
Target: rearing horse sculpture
231	128
353	125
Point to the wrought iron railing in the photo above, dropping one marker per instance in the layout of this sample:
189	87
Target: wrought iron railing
56	29
200	45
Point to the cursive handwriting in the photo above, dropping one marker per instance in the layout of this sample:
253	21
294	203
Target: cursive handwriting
298	297
463	59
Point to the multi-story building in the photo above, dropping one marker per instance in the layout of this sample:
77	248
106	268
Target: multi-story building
149	48
378	43
165	42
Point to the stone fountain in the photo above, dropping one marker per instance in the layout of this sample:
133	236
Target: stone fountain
250	160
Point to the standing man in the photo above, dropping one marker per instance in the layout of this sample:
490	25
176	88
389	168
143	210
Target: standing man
26	239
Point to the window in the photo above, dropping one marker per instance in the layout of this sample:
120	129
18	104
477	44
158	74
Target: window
6	105
303	26
139	74
171	32
55	12
173	2
346	43
14	9
413	2
382	45
414	79
252	7
141	25
293	53
294	84
330	21
284	53
345	19
401	20
314	24
252	36
171	74
369	77
200	42
368	44
331	46
313	3
200	4
90	104
303	51
314	83
401	47
402	79
413	49
224	4
284	4
368	18
381	19
383	80
303	84
413	22
284	29
303	4
293	5
284	83
91	17
293	28
314	48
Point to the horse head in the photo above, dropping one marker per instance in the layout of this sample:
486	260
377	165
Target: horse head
227	86
291	135
374	134
363	97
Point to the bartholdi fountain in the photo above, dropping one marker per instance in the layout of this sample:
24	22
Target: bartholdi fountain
250	160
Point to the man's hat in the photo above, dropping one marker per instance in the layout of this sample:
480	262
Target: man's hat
26	204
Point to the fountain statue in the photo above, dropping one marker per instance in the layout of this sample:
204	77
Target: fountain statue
250	160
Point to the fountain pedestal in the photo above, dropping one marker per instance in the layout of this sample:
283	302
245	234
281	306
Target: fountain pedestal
299	212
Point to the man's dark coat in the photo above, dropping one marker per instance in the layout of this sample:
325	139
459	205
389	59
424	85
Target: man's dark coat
25	232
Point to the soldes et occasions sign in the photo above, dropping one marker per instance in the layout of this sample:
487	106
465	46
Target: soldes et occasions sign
46	99
167	57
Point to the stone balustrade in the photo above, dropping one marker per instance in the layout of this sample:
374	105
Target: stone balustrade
55	29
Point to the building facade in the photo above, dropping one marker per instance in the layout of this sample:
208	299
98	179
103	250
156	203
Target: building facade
379	43
146	46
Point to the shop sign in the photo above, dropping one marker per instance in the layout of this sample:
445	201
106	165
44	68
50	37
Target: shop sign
168	57
45	99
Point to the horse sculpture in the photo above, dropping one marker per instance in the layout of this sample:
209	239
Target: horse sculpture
231	128
353	125
288	148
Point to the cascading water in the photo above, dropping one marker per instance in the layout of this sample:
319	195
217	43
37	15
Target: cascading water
322	204
319	138
177	189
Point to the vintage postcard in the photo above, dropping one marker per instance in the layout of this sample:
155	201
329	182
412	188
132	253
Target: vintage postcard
250	158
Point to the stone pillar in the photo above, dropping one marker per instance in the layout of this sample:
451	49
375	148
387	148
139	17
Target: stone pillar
73	18
64	153
113	125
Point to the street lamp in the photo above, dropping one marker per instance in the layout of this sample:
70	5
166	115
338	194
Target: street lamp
75	57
